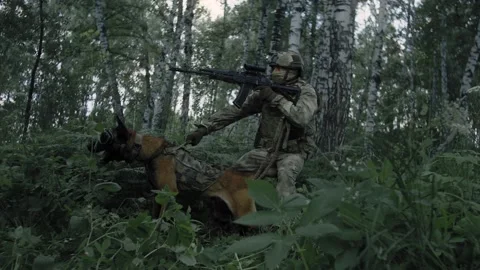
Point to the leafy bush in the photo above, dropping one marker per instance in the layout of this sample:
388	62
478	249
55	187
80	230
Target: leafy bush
405	213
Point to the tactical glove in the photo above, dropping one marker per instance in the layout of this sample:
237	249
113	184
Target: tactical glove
266	93
195	137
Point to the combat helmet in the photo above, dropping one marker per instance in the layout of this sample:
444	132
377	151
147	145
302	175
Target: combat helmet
288	60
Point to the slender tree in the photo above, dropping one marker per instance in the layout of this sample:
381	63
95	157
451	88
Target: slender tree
168	57
375	79
443	56
188	50
262	34
276	39
246	33
470	67
28	109
341	37
321	78
296	26
109	67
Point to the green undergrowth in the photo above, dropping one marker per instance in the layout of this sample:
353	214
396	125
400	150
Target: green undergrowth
61	210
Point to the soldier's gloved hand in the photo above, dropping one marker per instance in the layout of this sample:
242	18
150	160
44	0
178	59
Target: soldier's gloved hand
195	137
266	93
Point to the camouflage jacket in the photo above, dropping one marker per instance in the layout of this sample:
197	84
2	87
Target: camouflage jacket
300	117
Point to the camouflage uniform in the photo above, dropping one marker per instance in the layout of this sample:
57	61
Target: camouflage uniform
299	119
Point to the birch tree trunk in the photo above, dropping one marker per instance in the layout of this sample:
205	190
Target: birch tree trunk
164	105
247	29
147	115
321	75
409	58
109	67
276	32
188	50
28	108
262	34
470	68
375	79
338	104
443	64
158	77
313	39
295	26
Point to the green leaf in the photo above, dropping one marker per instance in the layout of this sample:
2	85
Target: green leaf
106	244
260	218
252	243
323	205
99	127
78	223
163	196
330	245
347	260
264	193
137	262
295	201
18	233
187	259
321	184
42	262
351	213
349	235
128	245
386	171
275	255
108	186
315	230
89	251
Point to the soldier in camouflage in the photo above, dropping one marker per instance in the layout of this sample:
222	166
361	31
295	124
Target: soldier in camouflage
297	143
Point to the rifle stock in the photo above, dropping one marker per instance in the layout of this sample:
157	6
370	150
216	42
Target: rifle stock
252	77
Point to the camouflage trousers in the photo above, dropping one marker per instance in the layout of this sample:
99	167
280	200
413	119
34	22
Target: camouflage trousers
286	168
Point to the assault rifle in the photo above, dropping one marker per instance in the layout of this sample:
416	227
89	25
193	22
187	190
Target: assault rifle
252	77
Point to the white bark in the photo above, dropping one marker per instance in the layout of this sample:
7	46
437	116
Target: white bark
158	77
321	79
409	54
246	41
147	123
166	92
188	50
112	77
376	66
470	66
336	112
295	26
262	34
275	42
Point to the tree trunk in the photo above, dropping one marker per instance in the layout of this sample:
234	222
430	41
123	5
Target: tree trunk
28	109
321	75
188	50
409	61
470	68
147	115
375	79
338	104
158	77
164	106
262	34
312	45
246	41
443	65
112	77
276	32
296	26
